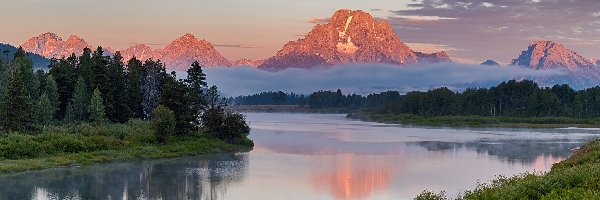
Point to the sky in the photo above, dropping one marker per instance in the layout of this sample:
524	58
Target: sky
471	31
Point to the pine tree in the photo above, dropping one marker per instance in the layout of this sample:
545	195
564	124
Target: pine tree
99	71
44	110
64	74
4	81
117	103
175	95
40	77
85	68
196	81
22	62
96	108
78	108
135	80
52	91
17	105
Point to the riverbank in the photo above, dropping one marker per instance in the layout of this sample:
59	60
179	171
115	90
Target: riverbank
478	121
285	109
85	144
578	177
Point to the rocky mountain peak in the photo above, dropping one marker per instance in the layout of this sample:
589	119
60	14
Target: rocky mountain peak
550	55
348	37
74	38
545	55
50	45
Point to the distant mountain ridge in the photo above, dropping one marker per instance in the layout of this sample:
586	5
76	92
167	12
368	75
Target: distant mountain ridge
547	55
348	37
51	45
179	54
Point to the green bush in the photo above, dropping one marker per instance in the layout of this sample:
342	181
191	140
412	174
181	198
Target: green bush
229	127
429	195
19	146
163	122
61	143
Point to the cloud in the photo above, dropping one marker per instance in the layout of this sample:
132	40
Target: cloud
236	46
364	79
430	48
500	29
318	20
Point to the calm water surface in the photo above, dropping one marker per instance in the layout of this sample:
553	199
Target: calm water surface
316	156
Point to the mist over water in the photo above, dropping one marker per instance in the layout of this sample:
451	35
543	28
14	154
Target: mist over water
368	78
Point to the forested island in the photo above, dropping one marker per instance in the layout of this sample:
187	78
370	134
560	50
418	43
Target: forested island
94	108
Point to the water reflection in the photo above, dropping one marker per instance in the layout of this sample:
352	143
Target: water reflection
512	151
351	179
203	177
315	156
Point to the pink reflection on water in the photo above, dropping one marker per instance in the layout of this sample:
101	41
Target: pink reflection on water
348	179
543	163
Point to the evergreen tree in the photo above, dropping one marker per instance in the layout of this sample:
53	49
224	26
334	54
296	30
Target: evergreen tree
196	81
117	103
85	68
22	62
40	77
18	110
64	73
134	87
4	81
96	108
78	108
175	95
44	110
99	71
52	91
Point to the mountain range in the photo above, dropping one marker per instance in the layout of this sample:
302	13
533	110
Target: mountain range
348	37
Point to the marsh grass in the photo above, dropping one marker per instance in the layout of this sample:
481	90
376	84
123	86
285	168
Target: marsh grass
84	144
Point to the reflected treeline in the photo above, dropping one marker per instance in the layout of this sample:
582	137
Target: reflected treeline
200	177
522	151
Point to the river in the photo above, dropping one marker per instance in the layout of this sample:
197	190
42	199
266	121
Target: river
316	156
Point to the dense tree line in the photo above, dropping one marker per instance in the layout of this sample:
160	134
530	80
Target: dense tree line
269	98
96	88
512	98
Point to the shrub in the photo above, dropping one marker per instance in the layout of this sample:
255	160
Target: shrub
163	122
229	127
429	195
17	146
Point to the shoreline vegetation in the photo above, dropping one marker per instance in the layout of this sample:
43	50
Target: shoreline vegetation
95	108
577	177
87	144
478	121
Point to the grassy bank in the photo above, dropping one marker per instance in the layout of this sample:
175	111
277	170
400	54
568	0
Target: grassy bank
479	121
83	144
575	178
